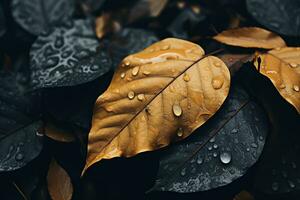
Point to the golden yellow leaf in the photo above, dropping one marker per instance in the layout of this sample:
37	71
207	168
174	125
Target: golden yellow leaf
282	67
59	183
56	133
252	37
157	96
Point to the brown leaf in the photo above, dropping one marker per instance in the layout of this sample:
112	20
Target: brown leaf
106	24
252	37
59	183
59	134
157	96
282	67
235	61
243	195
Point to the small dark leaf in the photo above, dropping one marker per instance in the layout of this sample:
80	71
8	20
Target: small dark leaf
37	16
78	112
19	143
280	16
67	56
127	42
20	147
187	17
220	152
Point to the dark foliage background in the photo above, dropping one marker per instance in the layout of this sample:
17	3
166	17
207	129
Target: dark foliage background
54	65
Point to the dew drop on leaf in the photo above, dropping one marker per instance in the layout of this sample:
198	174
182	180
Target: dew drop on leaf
225	158
235	130
141	97
135	71
19	156
177	110
123	75
130	95
217	83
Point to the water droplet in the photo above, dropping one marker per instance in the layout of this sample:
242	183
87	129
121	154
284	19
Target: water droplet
275	186
135	71
141	97
199	160
282	86
177	110
146	72
19	156
261	138
291	184
217	64
254	145
130	95
123	75
166	47
183	171
248	149
215	146
296	88
217	83
225	157
215	154
186	77
213	139
209	148
294	65
127	63
235	130
180	132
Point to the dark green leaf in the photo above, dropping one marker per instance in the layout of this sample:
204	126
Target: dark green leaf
219	152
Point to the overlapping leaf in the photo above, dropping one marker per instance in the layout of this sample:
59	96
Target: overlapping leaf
219	152
67	56
250	37
128	41
19	121
159	95
37	16
280	16
59	183
282	67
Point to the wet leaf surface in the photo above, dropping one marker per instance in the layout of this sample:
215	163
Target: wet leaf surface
19	116
67	56
167	85
280	16
219	152
37	16
278	171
